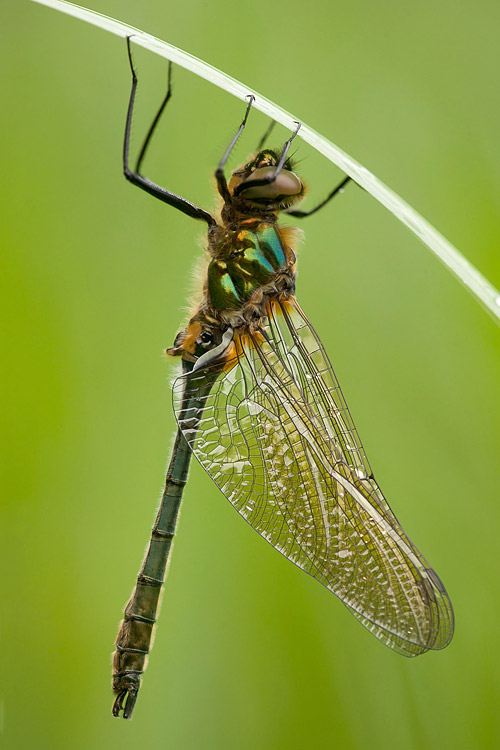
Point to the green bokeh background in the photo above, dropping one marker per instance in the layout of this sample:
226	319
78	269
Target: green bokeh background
250	653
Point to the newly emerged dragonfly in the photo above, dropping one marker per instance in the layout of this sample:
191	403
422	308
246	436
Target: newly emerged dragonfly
260	407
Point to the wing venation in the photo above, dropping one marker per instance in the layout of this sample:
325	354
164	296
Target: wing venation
276	436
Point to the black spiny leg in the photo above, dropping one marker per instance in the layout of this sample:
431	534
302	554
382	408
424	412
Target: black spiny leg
134	176
266	135
335	191
219	172
152	128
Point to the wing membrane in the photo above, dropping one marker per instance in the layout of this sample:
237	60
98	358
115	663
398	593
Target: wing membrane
276	436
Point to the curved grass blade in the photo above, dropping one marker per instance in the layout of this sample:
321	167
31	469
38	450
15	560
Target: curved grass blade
477	284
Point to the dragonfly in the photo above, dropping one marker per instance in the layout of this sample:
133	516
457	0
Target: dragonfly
258	404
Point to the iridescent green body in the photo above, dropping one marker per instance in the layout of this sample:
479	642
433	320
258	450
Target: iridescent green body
245	260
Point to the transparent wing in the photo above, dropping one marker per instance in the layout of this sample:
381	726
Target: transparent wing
275	435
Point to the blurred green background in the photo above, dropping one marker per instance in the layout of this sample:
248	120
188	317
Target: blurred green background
250	653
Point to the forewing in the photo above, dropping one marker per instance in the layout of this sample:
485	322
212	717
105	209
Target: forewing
275	435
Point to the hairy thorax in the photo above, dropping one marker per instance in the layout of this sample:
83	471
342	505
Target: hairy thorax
249	265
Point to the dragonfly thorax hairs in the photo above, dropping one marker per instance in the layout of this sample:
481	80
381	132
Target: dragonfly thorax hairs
252	257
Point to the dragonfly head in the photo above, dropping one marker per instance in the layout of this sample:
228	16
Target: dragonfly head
252	190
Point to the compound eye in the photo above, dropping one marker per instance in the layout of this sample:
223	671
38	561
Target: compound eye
286	183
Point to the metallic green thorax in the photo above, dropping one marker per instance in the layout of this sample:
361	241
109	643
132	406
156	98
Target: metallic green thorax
244	264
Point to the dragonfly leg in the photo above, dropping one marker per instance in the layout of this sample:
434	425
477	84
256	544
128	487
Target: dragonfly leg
134	176
156	120
266	135
269	180
336	190
219	172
